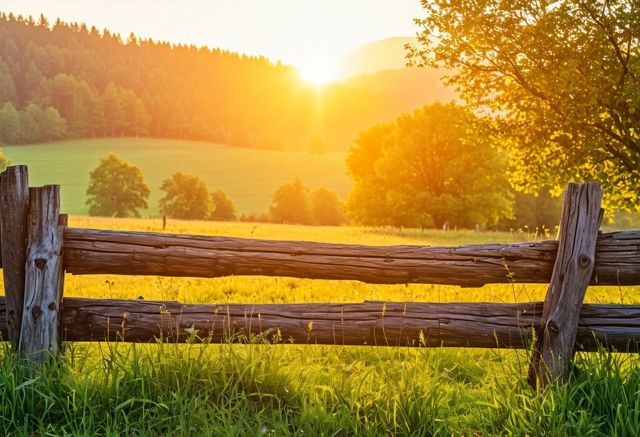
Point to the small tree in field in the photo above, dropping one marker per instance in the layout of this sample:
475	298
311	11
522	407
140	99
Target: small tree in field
187	197
291	204
116	189
325	208
222	207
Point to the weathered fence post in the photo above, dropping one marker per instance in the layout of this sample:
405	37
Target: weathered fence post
40	334
581	217
14	209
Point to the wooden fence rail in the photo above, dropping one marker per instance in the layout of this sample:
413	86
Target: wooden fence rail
580	257
482	325
91	251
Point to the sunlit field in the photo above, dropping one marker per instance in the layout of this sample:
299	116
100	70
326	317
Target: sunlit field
248	176
283	389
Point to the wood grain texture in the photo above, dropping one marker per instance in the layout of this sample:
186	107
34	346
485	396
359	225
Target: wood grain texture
40	333
581	217
89	251
14	209
370	323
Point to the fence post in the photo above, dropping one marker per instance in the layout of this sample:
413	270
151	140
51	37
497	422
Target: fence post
40	335
579	225
14	210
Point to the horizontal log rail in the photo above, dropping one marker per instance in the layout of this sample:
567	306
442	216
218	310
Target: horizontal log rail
89	251
485	325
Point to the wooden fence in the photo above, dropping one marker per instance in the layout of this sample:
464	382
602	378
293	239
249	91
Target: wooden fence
37	248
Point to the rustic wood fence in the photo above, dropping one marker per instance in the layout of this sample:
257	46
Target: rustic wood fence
37	248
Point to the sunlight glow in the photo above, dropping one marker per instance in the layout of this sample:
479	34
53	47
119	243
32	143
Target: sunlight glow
319	71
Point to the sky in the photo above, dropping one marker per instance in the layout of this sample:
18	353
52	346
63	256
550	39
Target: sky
295	32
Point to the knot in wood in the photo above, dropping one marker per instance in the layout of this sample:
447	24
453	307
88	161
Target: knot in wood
40	262
52	306
553	327
584	260
36	312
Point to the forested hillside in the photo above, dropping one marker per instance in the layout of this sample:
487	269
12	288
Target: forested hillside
68	80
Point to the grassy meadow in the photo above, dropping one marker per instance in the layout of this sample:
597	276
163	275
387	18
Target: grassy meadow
248	176
255	389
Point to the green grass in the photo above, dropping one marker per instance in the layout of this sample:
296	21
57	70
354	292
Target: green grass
258	389
248	176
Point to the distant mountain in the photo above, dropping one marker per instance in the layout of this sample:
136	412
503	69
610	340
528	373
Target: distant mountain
384	54
380	66
413	87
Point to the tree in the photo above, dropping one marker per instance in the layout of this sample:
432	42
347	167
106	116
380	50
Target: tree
427	168
32	80
30	120
324	207
558	79
137	120
186	197
222	207
113	109
291	204
9	124
52	126
116	189
7	87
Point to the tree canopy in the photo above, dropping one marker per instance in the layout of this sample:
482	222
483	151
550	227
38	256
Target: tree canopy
559	80
428	168
222	207
116	189
295	203
291	204
186	197
325	208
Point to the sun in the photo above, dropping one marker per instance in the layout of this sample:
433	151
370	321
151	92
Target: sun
319	71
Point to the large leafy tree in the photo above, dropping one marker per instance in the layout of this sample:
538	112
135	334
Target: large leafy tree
116	189
559	80
428	168
186	197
